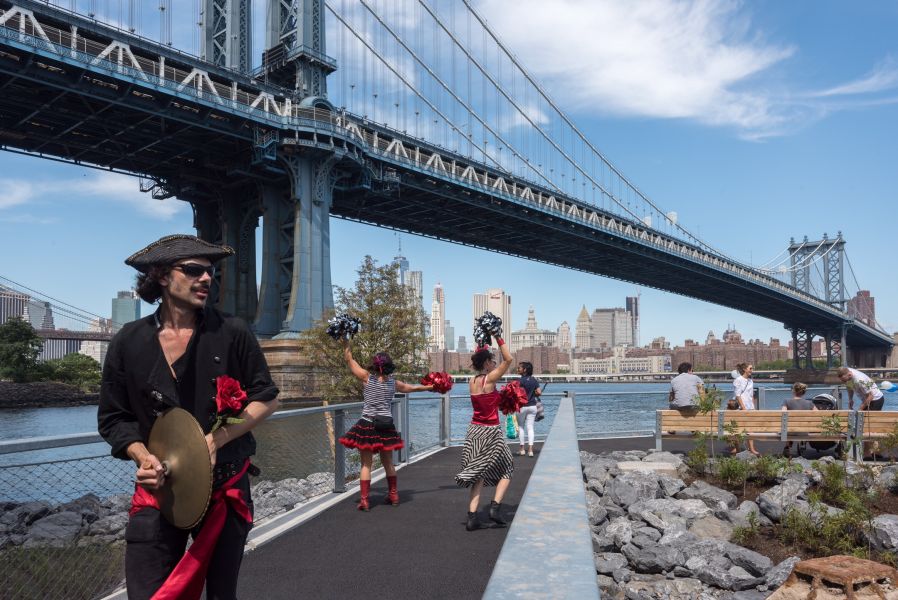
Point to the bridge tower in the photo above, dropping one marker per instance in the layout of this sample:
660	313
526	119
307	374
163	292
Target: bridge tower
227	34
296	56
832	254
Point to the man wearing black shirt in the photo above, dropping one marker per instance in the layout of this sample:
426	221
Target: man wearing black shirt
173	359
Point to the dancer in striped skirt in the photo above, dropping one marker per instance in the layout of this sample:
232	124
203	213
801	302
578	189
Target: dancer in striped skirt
486	459
375	431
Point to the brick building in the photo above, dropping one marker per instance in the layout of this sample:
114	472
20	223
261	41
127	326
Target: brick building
724	354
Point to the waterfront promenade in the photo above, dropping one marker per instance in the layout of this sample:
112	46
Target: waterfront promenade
419	549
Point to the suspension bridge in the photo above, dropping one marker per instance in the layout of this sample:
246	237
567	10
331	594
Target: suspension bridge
430	125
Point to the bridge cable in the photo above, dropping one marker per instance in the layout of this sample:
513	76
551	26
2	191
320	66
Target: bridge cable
583	138
399	75
454	95
865	300
59	302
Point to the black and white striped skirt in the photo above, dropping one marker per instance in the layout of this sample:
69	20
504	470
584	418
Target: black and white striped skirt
485	456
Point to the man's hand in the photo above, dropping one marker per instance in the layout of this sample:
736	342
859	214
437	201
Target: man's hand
213	447
150	474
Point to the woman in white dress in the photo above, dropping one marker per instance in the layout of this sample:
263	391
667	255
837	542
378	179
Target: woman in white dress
744	393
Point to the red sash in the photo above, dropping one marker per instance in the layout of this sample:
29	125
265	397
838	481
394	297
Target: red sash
188	578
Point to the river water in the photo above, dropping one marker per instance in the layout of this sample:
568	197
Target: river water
298	446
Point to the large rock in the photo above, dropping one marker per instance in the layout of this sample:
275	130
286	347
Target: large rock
754	563
884	535
739	516
627	488
620	530
59	529
23	515
664	513
776	501
658	468
602	542
664	457
887	478
596	513
858	476
109	525
712	527
715	498
607	562
653	559
658	586
670	485
596	472
720	572
778	574
88	506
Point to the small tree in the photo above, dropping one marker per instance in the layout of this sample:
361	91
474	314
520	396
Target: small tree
708	402
75	369
19	348
392	321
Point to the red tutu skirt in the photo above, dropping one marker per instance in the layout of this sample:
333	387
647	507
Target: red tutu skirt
364	436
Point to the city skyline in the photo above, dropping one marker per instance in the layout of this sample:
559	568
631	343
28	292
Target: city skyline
794	137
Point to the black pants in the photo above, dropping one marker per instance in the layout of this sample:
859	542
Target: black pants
155	546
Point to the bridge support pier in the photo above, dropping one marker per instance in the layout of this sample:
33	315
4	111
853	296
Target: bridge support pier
304	249
232	220
802	354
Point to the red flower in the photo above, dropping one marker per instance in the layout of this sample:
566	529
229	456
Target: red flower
229	397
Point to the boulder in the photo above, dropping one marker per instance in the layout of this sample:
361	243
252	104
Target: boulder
595	471
24	515
664	457
109	525
658	468
59	529
884	535
620	530
662	513
775	501
670	485
602	542
627	488
653	558
714	498
607	562
596	513
658	586
711	527
650	532
754	563
88	506
739	516
778	574
887	478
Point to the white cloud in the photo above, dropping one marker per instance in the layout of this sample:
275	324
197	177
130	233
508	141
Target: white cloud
125	189
97	186
14	192
656	58
883	77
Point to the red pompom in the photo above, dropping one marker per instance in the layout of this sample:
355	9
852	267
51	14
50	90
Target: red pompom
513	397
441	381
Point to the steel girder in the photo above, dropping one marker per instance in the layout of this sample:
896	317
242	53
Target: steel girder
227	34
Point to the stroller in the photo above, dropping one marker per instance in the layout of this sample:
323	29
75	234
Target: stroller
823	402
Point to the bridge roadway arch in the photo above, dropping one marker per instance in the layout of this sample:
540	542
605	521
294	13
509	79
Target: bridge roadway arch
236	148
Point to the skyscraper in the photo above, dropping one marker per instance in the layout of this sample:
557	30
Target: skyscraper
462	344
497	302
611	327
438	319
633	309
450	337
584	330
12	304
412	279
125	308
563	339
863	308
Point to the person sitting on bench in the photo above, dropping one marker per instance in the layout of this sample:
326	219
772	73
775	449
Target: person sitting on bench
797	402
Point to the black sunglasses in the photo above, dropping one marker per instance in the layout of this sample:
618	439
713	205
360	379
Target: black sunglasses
195	271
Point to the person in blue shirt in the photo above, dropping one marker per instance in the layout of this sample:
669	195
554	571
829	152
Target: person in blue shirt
527	415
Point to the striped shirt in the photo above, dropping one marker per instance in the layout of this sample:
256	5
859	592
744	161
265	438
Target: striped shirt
378	395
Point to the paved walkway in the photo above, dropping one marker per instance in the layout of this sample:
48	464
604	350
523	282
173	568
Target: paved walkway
419	549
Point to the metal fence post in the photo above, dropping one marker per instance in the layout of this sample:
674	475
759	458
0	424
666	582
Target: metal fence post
406	428
762	398
339	452
445	420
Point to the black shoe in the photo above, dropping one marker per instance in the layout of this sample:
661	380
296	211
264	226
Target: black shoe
472	523
494	513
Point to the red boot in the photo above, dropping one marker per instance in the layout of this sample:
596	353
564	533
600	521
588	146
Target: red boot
364	487
393	495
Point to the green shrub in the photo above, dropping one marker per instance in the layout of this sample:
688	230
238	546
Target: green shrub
732	471
767	468
742	535
697	458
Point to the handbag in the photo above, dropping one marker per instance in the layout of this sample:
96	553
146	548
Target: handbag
381	422
540	411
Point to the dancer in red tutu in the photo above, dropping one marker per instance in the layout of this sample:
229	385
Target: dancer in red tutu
486	459
375	431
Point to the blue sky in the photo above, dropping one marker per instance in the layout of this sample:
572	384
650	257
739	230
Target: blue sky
755	122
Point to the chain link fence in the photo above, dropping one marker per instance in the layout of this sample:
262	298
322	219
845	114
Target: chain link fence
63	509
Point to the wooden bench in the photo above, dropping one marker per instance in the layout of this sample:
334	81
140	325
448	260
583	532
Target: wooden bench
795	425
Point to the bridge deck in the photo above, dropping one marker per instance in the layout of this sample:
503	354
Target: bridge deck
417	550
